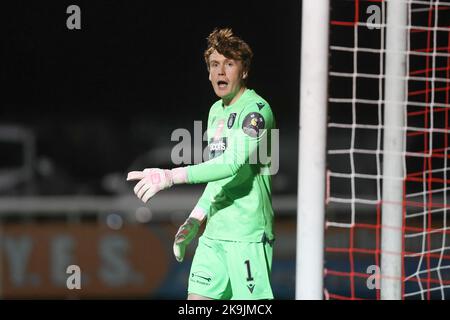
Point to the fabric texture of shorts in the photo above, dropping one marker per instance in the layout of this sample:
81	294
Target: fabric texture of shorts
231	270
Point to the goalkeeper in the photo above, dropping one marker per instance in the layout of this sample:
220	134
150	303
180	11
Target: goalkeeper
233	259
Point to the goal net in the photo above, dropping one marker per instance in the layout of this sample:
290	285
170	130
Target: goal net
357	159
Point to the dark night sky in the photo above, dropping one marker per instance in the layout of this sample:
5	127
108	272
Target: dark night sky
96	97
131	57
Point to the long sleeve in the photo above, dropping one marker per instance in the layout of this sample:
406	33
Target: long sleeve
243	144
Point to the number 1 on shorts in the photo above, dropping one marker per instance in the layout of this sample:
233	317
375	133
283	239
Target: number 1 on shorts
249	273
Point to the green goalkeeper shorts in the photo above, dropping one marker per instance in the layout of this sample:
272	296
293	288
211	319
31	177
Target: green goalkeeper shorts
231	270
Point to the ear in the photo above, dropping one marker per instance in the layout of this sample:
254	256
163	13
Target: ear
209	76
244	76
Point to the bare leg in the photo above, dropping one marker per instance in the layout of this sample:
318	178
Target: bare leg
193	296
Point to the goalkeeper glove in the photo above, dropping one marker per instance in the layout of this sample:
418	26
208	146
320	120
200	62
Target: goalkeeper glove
151	181
154	180
186	233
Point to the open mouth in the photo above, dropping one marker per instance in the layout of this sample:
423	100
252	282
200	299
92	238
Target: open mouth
222	84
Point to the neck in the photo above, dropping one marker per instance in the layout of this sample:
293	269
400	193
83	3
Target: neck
233	98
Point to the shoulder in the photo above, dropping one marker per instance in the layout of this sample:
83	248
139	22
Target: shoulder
256	115
256	107
255	103
216	105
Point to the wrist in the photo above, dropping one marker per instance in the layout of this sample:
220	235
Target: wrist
179	175
198	214
169	177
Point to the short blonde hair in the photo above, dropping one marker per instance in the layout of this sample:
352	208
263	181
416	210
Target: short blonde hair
229	46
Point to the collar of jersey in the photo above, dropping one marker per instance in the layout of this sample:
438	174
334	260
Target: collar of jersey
234	106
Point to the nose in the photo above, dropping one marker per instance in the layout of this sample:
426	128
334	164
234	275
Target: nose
222	70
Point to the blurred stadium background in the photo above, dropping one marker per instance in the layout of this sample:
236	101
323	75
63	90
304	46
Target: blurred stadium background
82	108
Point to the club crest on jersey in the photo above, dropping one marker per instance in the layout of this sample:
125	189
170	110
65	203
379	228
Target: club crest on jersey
231	120
253	123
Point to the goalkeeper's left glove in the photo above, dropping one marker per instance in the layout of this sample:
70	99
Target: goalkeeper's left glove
187	232
184	236
154	180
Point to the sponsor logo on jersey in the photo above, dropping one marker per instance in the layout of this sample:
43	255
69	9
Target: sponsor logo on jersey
201	277
217	147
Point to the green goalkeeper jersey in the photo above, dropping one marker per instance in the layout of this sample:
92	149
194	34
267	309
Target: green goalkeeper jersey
238	198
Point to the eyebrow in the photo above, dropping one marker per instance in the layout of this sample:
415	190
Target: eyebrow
225	60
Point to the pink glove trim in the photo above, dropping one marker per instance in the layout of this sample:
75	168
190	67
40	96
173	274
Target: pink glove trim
198	213
179	175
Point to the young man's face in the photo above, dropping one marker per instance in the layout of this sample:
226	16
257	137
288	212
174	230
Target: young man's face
225	75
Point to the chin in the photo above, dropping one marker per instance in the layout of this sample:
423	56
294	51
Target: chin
220	93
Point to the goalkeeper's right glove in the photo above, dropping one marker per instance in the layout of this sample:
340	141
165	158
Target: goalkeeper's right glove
153	180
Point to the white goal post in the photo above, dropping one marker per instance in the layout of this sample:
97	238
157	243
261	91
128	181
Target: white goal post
393	147
312	145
